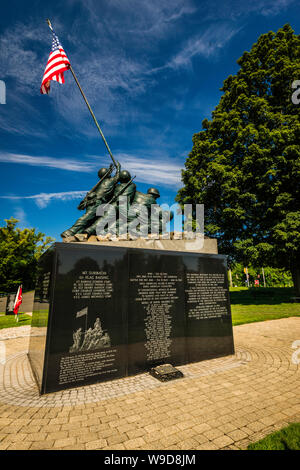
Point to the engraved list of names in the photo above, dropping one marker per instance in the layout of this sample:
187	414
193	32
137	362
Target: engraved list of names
157	292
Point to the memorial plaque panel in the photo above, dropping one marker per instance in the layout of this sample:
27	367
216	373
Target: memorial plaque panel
209	326
156	320
87	331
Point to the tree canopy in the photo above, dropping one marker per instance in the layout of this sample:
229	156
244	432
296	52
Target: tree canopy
19	253
245	162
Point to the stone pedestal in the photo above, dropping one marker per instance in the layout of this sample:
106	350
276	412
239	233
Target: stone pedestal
199	245
112	311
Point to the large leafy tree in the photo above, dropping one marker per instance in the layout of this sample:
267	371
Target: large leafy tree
245	163
19	253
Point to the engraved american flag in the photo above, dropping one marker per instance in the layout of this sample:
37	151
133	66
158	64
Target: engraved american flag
57	63
82	312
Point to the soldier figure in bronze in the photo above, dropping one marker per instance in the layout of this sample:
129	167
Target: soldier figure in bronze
100	194
143	200
125	188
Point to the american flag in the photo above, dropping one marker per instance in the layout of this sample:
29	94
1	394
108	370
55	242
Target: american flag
57	63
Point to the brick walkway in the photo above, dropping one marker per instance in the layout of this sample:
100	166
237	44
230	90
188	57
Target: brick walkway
224	403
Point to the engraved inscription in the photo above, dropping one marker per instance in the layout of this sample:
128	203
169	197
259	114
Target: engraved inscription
206	295
83	366
92	285
45	286
157	292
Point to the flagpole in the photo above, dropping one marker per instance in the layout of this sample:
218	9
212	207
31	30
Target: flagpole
88	105
263	273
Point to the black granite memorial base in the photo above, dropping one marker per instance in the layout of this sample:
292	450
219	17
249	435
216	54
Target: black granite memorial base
107	312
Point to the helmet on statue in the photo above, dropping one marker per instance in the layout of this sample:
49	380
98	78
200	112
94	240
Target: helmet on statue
154	192
125	176
102	172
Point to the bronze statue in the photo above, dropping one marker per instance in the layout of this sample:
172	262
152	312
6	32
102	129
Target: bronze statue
135	205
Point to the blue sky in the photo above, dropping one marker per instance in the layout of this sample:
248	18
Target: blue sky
151	72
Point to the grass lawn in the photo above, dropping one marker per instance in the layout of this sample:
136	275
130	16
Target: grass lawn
247	306
285	439
252	313
41	319
8	321
260	304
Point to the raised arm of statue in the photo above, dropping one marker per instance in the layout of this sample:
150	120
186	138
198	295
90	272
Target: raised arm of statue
116	178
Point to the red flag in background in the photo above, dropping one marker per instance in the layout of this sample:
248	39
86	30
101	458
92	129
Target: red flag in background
18	300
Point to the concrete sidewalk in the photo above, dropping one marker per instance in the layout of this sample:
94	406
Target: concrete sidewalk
223	403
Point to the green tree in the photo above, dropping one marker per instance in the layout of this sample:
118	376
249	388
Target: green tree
274	277
19	253
245	164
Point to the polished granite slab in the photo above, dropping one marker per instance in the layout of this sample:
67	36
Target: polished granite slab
109	312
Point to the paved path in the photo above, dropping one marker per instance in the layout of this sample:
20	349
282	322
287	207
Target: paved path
223	403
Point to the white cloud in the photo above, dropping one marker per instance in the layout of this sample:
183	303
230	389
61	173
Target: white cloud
50	162
271	8
43	199
131	18
151	169
111	52
109	58
207	44
155	171
17	56
21	215
215	10
115	58
107	74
